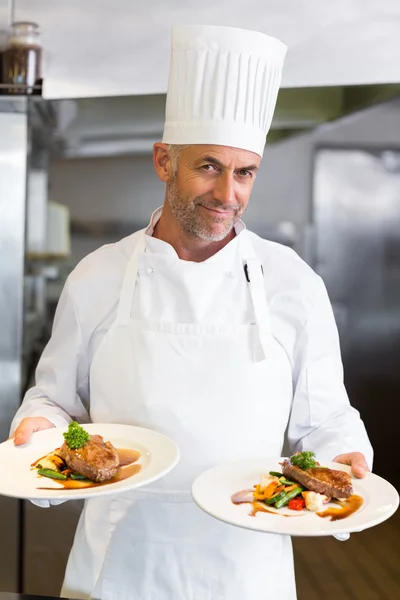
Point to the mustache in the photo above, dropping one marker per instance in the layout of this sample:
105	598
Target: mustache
218	205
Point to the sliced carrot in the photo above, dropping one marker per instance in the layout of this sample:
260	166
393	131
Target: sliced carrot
270	489
289	488
278	491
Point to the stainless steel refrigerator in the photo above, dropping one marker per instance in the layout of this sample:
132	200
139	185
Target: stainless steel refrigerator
13	175
33	542
356	212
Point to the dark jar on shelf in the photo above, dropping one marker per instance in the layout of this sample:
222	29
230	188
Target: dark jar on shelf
3	42
22	59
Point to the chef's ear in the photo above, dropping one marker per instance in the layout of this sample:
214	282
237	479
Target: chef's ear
162	161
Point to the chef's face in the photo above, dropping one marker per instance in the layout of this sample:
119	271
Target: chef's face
210	188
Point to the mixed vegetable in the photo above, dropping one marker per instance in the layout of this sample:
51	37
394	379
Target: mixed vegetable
51	465
54	467
278	491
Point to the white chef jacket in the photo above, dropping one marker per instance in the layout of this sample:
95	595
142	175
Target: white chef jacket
302	322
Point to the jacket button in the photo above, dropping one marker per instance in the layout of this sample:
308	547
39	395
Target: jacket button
149	271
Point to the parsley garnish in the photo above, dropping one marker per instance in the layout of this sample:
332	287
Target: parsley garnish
304	460
76	436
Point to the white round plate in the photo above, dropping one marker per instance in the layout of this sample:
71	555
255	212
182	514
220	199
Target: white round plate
159	455
212	492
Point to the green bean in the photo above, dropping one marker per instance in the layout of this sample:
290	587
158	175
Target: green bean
78	476
52	474
288	496
275	474
281	494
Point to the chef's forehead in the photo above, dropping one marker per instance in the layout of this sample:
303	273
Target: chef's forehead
222	154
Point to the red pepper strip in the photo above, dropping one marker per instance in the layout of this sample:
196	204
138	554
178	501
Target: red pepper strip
297	504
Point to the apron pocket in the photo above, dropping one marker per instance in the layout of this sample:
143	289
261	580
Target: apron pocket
156	553
174	551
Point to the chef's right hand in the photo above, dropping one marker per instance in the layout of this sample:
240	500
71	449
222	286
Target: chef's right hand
28	426
23	434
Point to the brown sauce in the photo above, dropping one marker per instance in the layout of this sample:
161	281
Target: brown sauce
127	456
260	507
346	508
73	484
128	466
246	497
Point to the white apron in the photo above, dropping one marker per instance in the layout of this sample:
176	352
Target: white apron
222	393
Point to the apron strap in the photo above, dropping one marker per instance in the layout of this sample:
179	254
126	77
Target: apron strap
129	283
255	278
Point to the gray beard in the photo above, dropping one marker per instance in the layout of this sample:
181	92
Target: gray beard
191	221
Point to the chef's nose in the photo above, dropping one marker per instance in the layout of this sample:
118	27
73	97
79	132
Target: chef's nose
224	189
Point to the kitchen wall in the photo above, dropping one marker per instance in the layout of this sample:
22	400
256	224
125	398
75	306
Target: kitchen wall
126	190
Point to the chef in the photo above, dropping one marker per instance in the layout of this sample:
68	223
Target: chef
203	331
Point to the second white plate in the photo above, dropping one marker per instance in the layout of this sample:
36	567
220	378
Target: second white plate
212	492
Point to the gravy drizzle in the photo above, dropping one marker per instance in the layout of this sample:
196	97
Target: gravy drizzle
345	509
246	497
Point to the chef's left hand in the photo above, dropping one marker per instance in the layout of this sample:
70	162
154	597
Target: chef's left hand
359	468
356	461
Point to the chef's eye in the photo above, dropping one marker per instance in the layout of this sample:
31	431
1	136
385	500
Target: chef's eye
245	173
209	168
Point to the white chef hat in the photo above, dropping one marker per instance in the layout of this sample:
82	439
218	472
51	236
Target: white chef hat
223	85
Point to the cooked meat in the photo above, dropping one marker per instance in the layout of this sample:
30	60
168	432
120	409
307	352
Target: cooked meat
336	484
97	460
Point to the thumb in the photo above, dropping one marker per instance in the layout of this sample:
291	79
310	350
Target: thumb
28	426
23	433
359	469
357	462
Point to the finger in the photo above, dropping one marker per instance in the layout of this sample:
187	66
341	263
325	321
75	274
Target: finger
359	469
357	462
23	432
28	426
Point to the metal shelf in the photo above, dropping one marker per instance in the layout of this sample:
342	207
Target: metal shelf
20	90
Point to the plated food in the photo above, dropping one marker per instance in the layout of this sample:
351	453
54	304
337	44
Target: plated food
86	460
303	485
78	463
215	488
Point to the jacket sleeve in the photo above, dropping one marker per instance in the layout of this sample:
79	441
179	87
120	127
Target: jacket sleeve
322	418
62	375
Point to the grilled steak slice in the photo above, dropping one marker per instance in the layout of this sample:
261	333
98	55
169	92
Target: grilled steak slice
97	460
332	483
